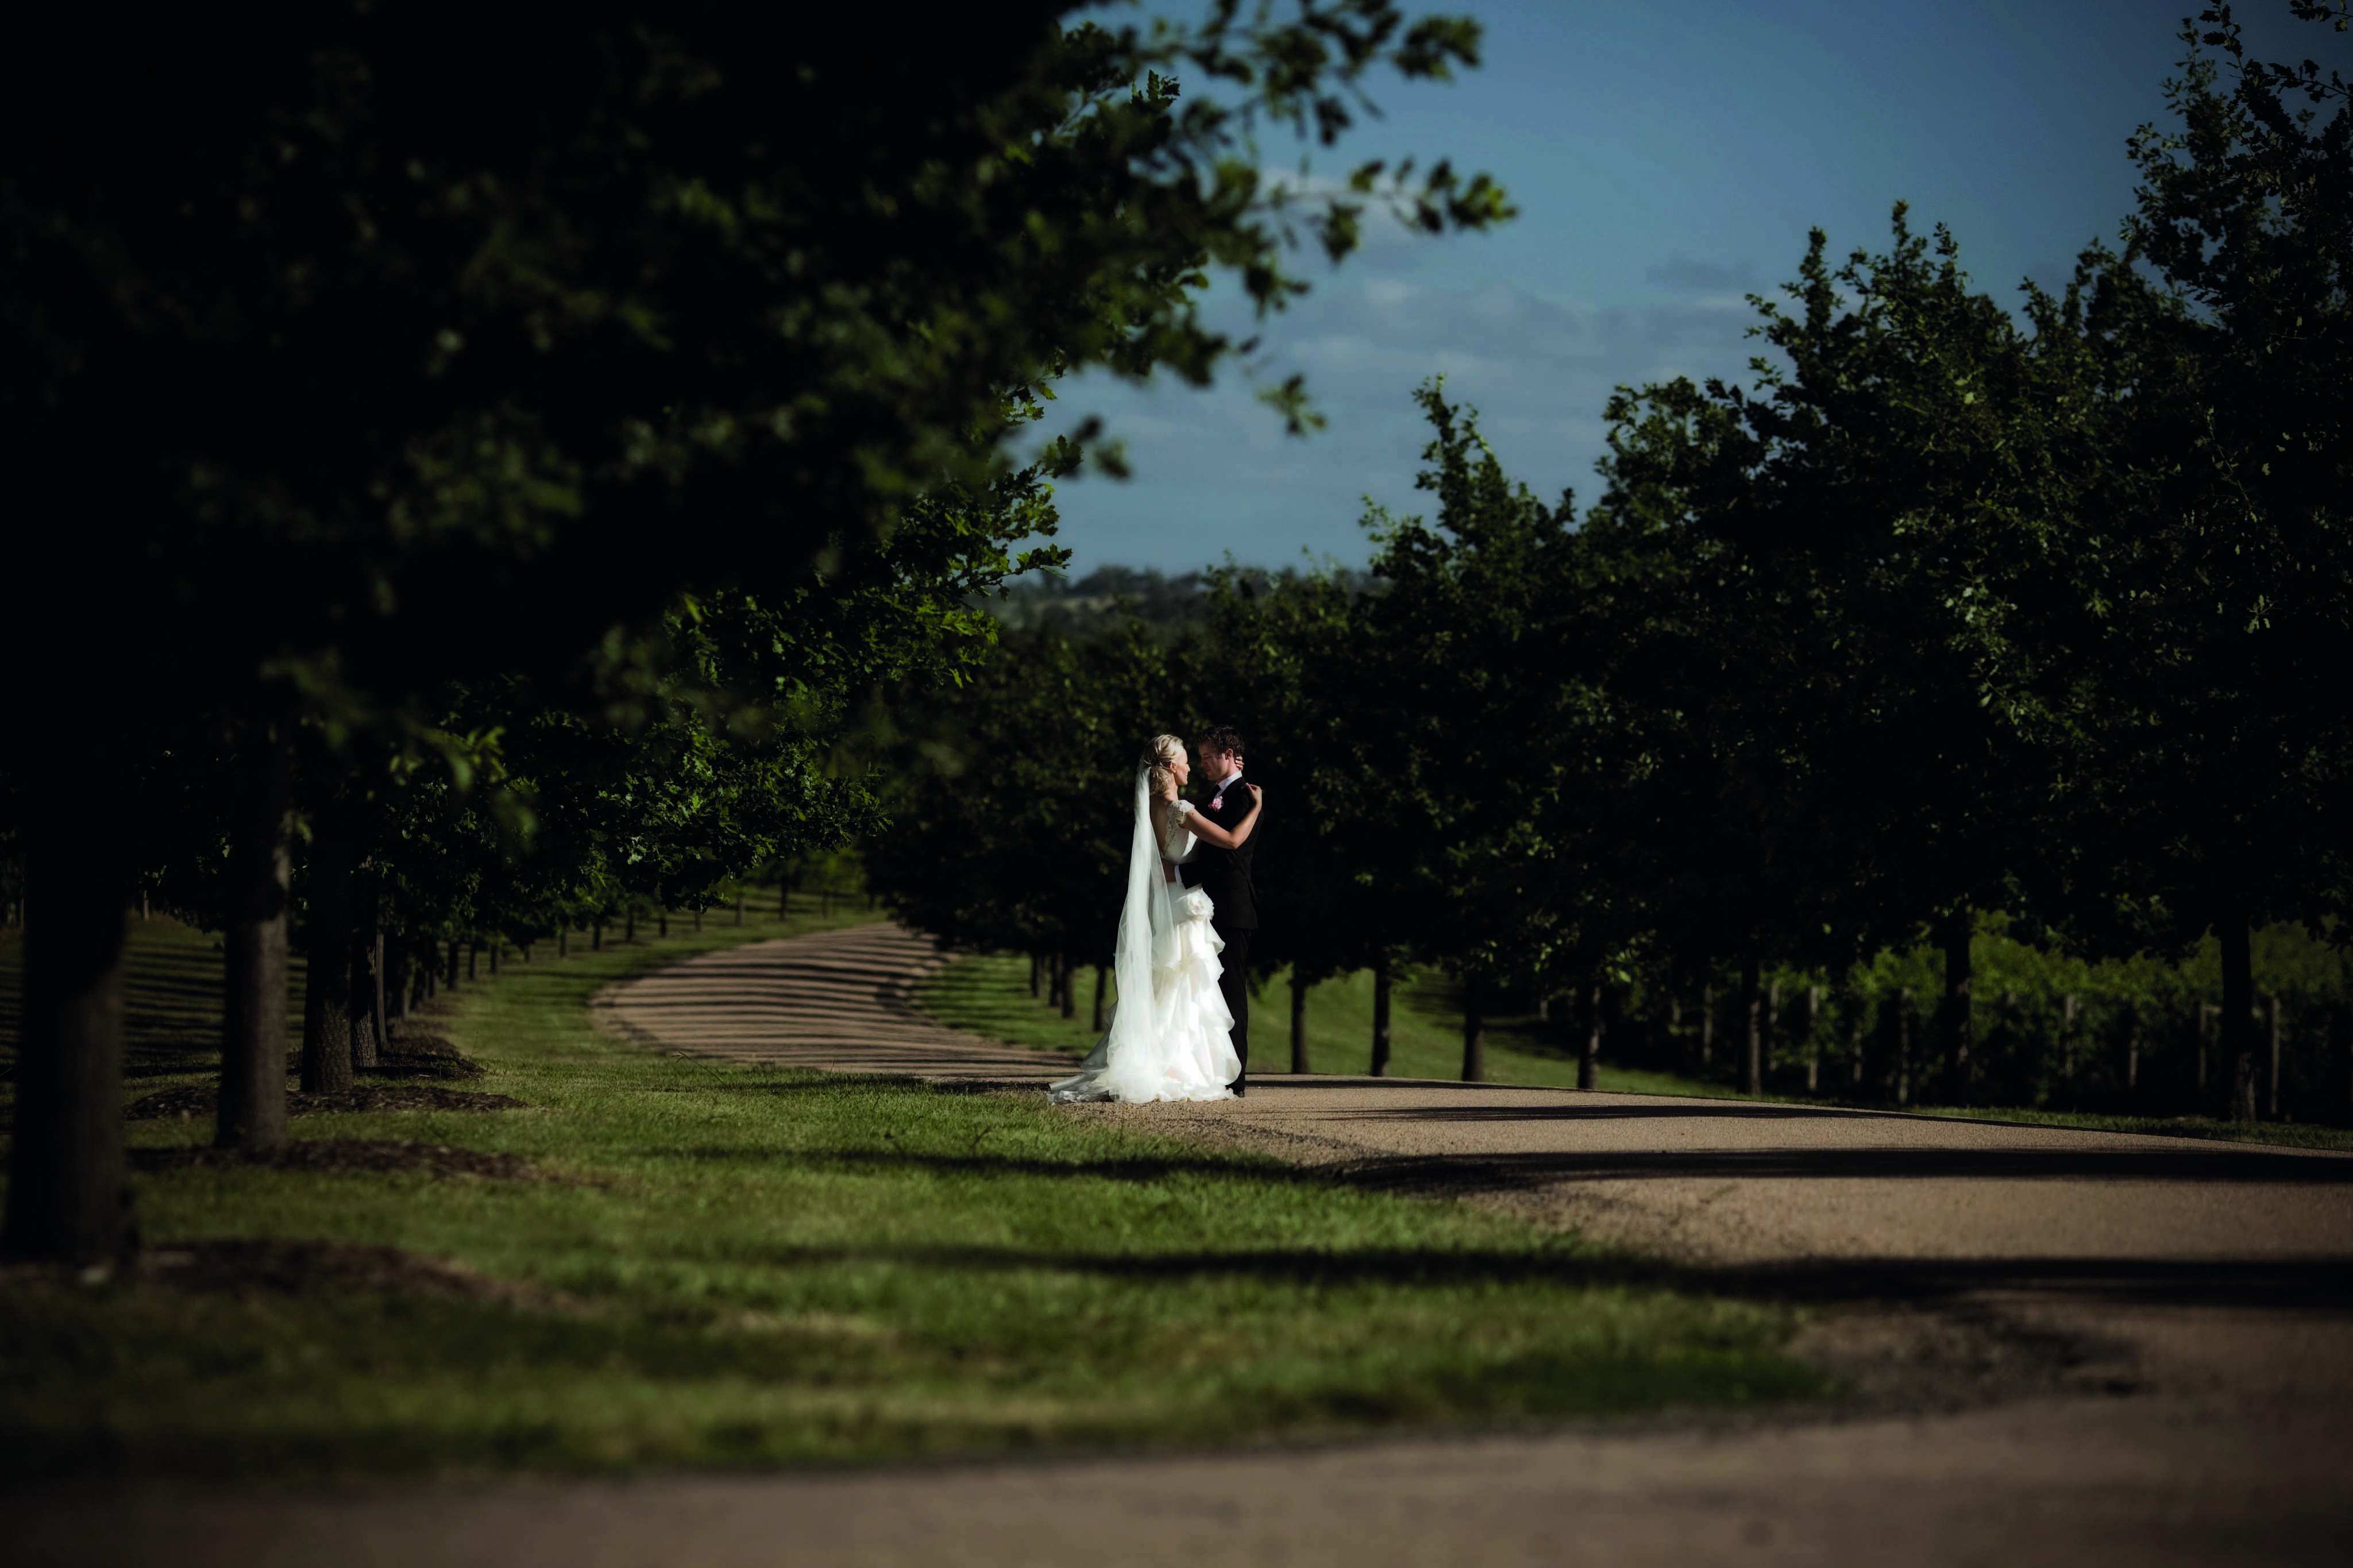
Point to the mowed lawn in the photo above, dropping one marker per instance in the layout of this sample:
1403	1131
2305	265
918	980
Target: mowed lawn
721	1265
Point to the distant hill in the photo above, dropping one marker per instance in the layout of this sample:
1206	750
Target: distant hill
1083	606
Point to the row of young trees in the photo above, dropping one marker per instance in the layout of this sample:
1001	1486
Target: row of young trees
1952	612
495	466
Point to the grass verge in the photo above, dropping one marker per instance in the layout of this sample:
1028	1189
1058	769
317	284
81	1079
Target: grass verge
748	1267
988	994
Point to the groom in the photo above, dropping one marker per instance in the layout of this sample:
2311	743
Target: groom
1225	874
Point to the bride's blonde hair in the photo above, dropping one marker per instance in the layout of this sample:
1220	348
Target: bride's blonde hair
1160	756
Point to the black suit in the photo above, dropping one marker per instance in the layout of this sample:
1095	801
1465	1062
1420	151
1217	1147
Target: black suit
1225	876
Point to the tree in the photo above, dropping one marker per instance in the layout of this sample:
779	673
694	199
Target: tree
1894	532
394	365
2225	757
1481	697
1013	821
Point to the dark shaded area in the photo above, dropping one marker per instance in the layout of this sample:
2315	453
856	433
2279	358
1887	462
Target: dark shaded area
2322	1285
244	1266
890	1162
1410	1174
197	1102
1735	1109
2297	1284
345	1156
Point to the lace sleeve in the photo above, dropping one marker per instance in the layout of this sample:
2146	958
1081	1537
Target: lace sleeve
1176	839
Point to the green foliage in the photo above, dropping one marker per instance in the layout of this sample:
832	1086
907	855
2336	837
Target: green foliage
1013	812
442	362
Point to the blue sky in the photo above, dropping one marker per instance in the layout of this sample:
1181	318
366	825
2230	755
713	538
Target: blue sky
1666	159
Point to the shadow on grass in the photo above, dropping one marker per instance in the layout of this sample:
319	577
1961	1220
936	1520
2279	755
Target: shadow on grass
2321	1285
889	1162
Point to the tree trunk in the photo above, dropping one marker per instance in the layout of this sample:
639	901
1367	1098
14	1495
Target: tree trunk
1099	1000
1298	1022
1960	995
68	1200
1034	968
358	1010
1381	1014
698	923
1904	1044
377	966
1707	1026
2238	1014
252	1103
2206	1012
1069	991
367	1045
326	1028
2272	1037
661	930
628	930
1475	1030
1588	1022
498	945
1813	1039
1752	1050
2069	1006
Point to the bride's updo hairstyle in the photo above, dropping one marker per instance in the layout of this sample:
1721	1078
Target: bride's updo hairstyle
1161	755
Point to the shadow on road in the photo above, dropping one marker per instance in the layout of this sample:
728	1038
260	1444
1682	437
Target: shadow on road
1435	1175
1734	1110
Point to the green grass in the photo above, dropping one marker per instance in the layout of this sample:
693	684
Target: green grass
989	994
752	1267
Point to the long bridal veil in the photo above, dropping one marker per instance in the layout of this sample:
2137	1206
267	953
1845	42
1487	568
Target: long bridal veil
1124	1064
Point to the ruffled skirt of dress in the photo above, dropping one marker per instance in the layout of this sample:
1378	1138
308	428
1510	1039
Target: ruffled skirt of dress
1188	1054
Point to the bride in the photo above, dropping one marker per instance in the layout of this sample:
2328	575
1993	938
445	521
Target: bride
1168	1037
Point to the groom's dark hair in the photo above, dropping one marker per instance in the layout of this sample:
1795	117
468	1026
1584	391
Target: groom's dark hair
1219	739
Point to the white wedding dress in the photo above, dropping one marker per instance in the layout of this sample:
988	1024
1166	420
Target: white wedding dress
1170	1034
